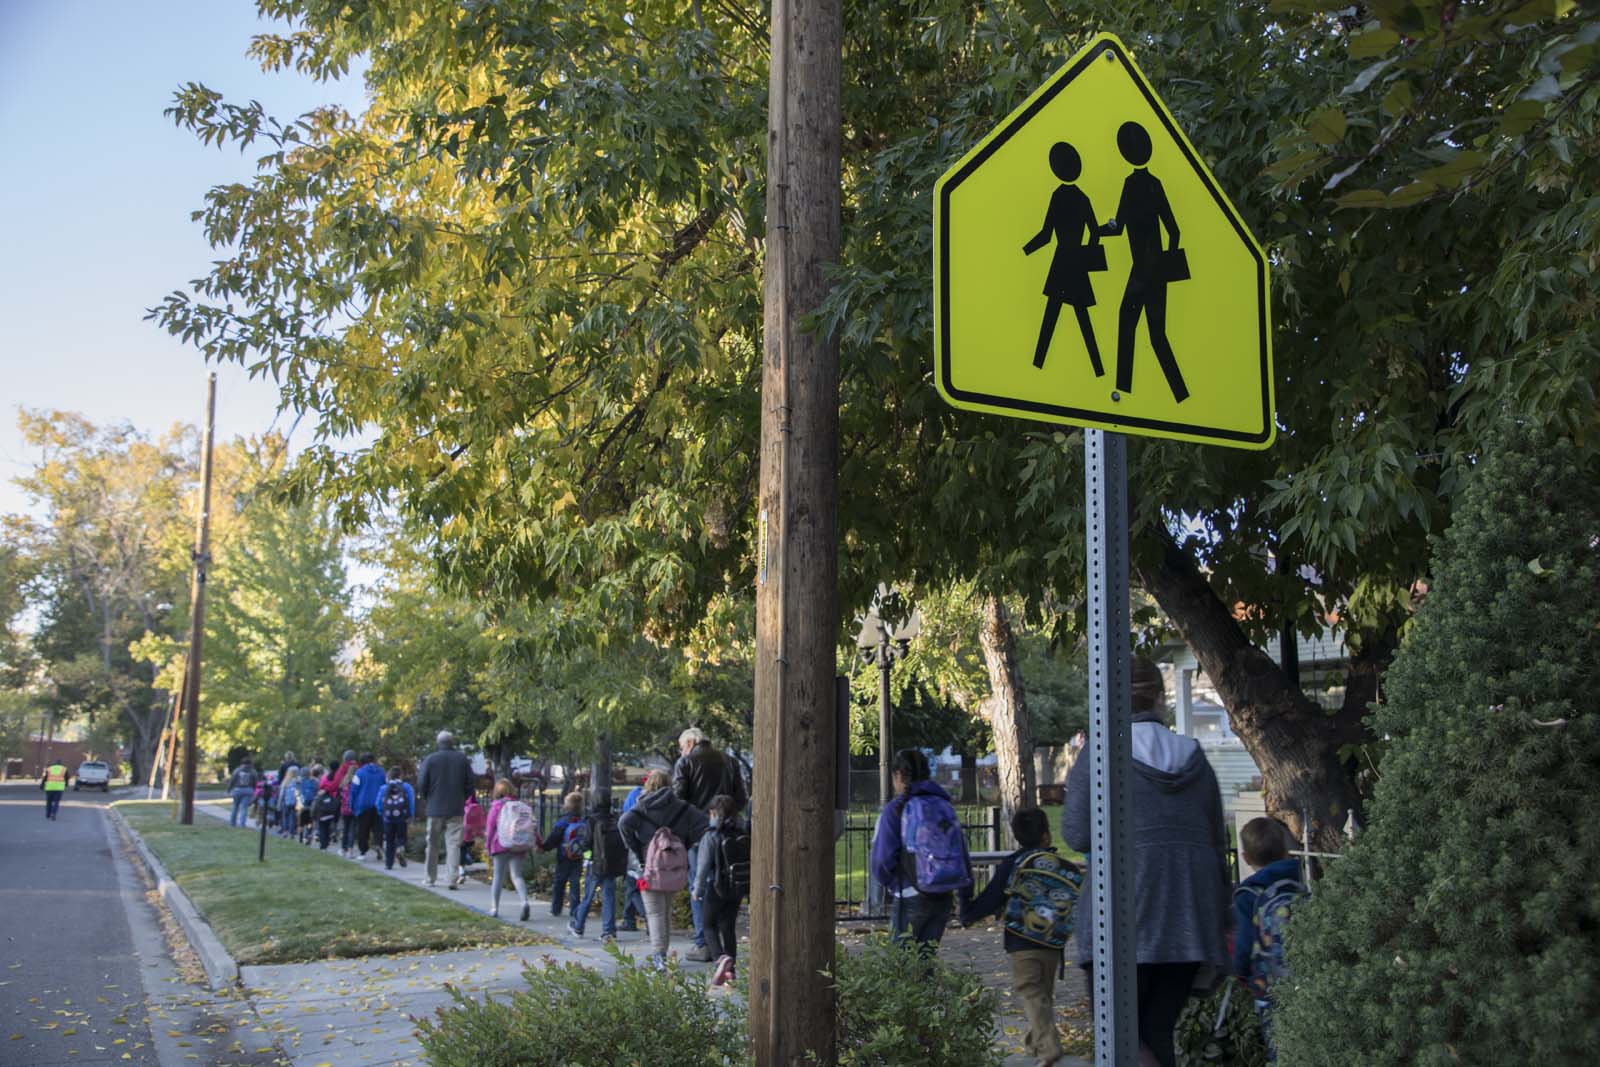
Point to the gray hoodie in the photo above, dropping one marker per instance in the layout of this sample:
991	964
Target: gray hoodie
1180	879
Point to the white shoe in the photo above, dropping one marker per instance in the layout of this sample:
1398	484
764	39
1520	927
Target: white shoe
494	911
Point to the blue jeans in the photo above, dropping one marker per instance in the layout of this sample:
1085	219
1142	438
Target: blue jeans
241	801
568	872
920	917
696	907
607	888
52	803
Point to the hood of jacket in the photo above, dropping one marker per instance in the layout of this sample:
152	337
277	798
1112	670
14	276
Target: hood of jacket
927	787
1170	761
659	807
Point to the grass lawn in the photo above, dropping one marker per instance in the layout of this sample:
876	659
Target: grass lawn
303	904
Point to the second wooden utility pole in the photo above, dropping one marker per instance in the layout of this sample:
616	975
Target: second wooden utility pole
797	597
197	611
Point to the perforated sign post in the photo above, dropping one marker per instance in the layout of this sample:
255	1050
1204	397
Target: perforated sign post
1169	336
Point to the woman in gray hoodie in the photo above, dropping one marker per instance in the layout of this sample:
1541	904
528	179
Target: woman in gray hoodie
1179	863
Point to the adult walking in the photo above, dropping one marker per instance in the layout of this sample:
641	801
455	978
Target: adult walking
444	782
701	774
366	791
1180	871
54	783
919	853
663	857
242	790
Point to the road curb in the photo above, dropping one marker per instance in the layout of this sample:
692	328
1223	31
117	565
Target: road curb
222	971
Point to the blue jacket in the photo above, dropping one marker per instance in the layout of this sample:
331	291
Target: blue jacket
632	798
992	901
886	843
366	786
558	831
411	801
1244	909
308	791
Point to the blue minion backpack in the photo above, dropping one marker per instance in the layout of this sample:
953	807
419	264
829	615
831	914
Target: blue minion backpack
1041	898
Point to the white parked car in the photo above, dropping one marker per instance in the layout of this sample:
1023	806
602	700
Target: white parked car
94	774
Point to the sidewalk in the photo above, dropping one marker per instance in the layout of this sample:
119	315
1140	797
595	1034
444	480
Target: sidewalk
356	1013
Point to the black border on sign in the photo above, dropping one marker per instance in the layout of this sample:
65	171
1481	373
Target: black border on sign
1085	414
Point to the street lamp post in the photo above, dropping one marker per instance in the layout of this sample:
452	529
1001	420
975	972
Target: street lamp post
885	642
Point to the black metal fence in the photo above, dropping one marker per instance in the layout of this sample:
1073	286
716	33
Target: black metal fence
857	898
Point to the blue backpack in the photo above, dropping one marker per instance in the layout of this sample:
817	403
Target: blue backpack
1270	918
1041	898
933	853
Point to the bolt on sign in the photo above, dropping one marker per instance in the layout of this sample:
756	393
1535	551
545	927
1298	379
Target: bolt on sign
1089	270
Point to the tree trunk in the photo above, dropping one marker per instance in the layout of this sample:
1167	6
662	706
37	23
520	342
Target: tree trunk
1006	710
142	744
1293	739
600	769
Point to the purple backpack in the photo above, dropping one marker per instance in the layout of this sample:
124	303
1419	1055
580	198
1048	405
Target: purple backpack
933	853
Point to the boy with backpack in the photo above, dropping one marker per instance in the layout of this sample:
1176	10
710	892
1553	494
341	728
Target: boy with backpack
1261	908
568	839
1035	892
397	806
722	882
608	861
325	810
919	853
307	789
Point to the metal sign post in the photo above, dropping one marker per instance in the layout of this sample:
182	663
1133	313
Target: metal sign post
1110	751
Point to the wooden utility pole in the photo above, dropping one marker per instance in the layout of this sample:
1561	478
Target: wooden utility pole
797	616
197	611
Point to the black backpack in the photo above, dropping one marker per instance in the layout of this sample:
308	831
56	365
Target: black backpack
609	857
394	802
326	806
732	868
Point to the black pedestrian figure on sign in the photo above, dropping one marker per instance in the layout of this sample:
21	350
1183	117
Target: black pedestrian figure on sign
1143	211
1069	218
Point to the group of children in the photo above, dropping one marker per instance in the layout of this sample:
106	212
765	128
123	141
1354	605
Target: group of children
368	808
1035	893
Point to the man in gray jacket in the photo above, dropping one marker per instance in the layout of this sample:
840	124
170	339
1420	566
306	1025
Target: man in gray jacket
444	781
1180	876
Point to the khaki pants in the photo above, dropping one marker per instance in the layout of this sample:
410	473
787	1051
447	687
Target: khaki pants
444	833
658	920
1033	975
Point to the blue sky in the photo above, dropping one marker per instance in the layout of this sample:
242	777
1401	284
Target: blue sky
97	186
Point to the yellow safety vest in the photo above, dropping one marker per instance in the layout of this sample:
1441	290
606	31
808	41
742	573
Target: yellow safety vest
55	778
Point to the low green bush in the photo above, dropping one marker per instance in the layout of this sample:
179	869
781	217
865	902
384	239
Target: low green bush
572	1016
1236	1042
897	1007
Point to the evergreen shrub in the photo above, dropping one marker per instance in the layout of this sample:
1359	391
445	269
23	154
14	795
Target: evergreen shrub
573	1016
1463	924
898	1008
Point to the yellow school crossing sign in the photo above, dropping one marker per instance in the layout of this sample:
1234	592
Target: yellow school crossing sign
1089	270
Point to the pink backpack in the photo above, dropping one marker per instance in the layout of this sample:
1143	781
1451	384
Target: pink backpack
666	862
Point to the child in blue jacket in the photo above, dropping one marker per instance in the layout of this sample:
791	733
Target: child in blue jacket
569	870
1261	908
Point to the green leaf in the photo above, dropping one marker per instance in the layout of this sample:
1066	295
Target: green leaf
1520	117
1398	99
1363	198
1327	126
1373	43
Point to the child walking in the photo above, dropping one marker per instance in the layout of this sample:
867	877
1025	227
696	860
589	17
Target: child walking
721	883
567	838
397	807
1035	891
307	790
507	856
1261	907
288	800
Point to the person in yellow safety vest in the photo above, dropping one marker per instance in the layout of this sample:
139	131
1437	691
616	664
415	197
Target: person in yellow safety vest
54	784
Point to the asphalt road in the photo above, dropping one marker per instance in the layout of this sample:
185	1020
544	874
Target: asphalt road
70	987
86	974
